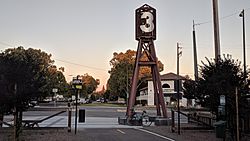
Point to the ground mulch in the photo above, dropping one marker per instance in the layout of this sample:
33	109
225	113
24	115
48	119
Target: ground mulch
61	134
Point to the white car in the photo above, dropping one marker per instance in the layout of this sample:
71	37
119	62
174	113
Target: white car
80	101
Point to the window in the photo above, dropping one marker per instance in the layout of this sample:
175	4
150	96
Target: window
165	85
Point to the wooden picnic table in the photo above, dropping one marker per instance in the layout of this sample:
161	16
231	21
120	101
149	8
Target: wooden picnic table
31	123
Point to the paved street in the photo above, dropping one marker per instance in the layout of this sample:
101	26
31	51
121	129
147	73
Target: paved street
101	125
96	117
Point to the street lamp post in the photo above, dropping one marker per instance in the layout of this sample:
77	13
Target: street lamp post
77	84
242	14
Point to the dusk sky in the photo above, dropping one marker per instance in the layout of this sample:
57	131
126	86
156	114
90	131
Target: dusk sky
82	35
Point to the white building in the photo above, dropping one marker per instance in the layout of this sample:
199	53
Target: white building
169	86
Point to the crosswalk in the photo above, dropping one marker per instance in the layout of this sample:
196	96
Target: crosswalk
90	122
62	121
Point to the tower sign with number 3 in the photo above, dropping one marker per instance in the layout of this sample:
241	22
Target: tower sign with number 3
145	22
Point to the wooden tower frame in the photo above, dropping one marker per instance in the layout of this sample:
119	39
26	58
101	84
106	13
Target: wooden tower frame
146	34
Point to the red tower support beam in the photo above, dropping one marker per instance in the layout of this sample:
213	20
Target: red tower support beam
147	46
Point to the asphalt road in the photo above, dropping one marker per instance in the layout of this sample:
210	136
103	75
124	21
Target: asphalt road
90	112
94	111
121	135
107	134
101	125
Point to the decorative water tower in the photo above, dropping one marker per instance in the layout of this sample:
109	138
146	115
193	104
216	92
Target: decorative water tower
145	35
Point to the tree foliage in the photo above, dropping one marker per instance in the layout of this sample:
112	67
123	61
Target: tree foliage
55	79
189	87
218	78
26	74
121	72
90	83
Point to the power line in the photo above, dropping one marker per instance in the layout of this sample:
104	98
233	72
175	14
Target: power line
6	44
222	18
81	65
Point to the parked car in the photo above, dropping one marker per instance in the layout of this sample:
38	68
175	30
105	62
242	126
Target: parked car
33	103
88	101
80	101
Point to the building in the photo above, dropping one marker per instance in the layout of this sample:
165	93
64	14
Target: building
169	86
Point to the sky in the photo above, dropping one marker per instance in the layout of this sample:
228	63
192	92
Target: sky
82	35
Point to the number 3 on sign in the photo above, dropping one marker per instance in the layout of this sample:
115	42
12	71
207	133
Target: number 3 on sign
149	25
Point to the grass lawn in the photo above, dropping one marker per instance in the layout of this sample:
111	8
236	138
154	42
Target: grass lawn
104	104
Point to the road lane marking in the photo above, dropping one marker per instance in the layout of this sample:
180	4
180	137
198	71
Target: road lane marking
156	134
121	131
119	110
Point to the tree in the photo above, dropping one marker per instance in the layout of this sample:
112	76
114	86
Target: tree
25	75
89	84
55	79
217	78
189	87
25	69
121	72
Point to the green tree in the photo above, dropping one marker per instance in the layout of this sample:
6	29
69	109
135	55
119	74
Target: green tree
24	75
121	72
27	70
90	83
220	77
189	88
55	79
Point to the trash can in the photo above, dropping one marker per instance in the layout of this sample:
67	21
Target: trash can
220	127
81	115
122	120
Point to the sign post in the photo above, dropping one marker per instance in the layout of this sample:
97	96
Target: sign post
54	90
77	85
221	108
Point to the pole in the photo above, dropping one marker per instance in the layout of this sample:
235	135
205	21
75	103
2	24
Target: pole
178	90
173	121
242	14
69	118
237	115
76	111
16	134
127	86
15	123
216	29
195	54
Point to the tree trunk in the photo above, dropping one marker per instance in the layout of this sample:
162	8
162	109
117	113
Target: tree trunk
19	122
15	123
1	119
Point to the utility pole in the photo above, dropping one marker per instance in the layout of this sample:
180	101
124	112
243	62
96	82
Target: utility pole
195	54
237	115
16	124
178	86
242	14
76	110
216	29
127	87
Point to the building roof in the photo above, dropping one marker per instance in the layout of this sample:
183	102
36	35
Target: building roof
167	76
171	76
